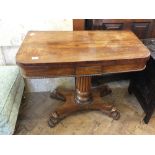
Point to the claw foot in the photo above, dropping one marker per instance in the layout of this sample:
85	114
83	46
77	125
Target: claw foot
56	95
115	114
53	120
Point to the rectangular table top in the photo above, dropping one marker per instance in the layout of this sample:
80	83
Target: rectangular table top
81	48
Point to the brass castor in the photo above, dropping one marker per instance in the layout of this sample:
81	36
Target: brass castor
115	114
53	120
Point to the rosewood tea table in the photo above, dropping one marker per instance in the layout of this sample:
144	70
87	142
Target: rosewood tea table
81	54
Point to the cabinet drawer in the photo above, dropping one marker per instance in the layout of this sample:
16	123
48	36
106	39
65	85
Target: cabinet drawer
47	71
88	70
140	29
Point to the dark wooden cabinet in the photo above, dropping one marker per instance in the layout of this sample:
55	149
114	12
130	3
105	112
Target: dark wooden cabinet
143	28
153	30
142	84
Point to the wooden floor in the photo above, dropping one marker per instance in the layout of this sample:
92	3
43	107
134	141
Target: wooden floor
36	108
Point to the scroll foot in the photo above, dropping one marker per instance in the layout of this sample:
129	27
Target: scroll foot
71	106
58	96
53	120
115	114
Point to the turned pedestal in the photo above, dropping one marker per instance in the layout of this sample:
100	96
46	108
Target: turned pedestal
83	98
83	90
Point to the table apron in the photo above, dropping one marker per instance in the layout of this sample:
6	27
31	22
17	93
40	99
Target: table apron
49	71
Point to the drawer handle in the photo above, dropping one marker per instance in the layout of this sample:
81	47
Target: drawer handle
112	26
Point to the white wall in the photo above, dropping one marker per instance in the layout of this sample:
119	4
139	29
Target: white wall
12	33
2	61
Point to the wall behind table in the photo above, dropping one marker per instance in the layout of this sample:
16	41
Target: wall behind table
12	33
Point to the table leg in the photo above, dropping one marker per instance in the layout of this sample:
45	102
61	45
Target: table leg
83	98
57	95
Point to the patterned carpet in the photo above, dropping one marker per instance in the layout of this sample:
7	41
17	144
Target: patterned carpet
36	108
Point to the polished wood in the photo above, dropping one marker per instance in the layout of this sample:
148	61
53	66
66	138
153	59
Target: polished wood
57	95
70	107
143	28
78	24
83	90
81	54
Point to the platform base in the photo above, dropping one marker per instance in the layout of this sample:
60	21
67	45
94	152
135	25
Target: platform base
70	106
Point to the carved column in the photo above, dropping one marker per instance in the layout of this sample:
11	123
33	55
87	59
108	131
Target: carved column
83	90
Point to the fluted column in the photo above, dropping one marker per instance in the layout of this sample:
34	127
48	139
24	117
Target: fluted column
83	89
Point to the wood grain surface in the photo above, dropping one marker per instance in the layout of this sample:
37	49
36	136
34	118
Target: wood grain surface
53	53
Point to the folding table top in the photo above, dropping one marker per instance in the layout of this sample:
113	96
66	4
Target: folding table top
80	46
83	48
